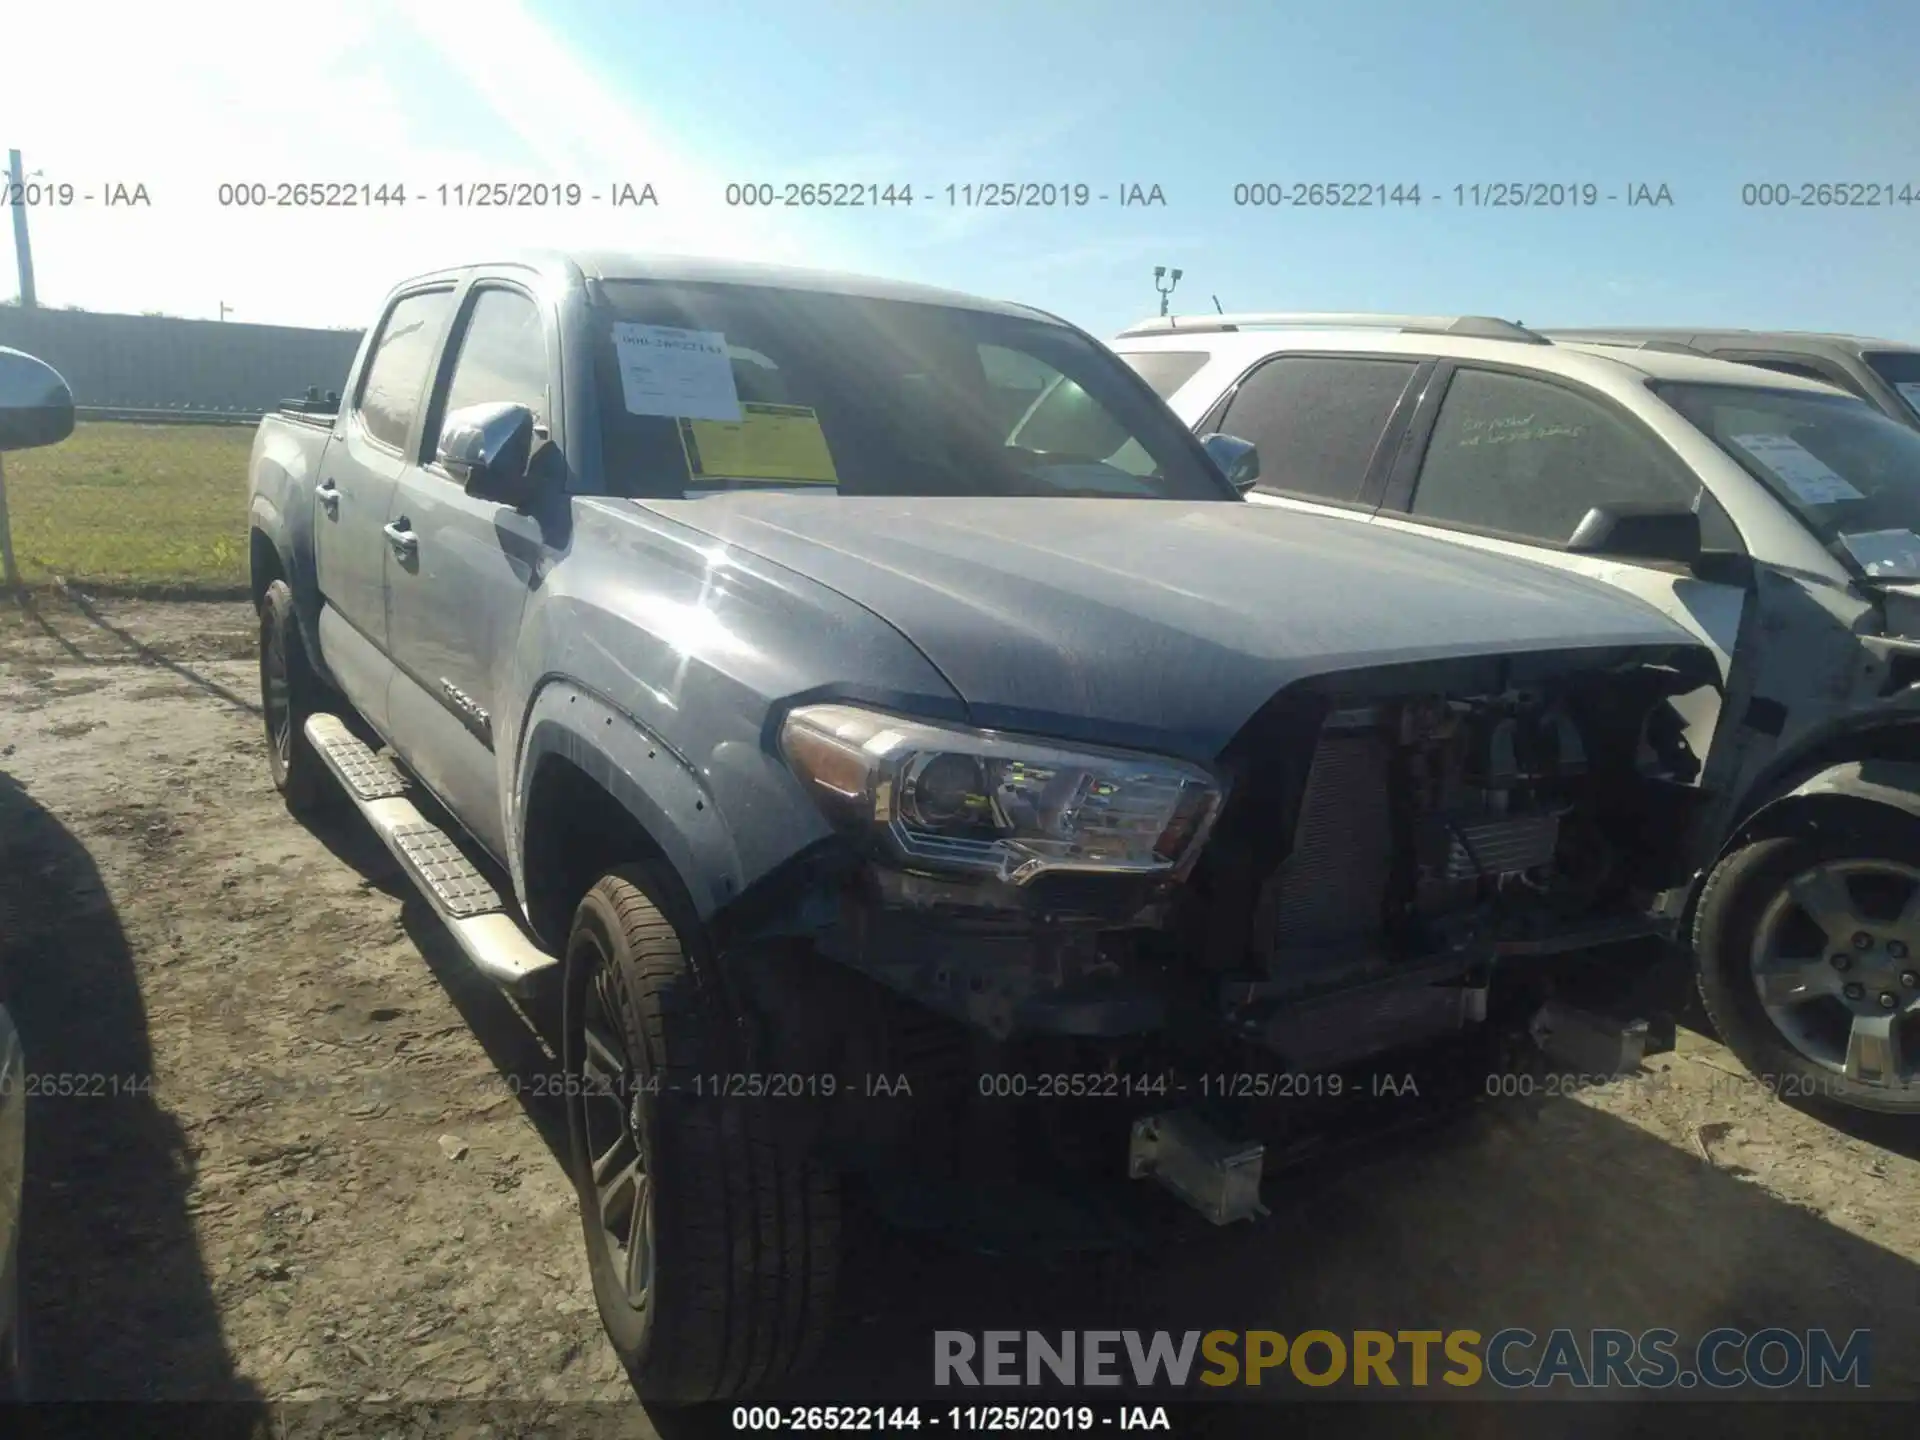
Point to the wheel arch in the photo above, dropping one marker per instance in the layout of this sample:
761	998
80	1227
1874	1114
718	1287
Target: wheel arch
594	789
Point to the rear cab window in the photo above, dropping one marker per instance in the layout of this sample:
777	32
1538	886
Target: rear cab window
394	382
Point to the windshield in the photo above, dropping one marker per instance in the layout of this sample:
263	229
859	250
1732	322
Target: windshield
1847	471
706	388
1901	370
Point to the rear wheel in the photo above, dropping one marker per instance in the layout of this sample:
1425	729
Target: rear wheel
712	1236
1809	964
290	691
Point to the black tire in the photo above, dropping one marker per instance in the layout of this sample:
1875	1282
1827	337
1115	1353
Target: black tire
1732	904
743	1229
290	691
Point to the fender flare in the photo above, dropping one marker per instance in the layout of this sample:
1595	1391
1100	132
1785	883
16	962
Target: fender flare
657	786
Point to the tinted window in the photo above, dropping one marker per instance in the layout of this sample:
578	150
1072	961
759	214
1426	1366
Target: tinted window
1165	370
1522	457
503	357
397	371
1316	421
886	397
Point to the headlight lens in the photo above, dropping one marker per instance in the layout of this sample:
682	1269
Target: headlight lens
977	800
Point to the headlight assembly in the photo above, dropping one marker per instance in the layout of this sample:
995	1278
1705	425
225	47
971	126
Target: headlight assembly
948	798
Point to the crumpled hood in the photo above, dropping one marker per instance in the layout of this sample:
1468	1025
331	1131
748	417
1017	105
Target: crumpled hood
1167	623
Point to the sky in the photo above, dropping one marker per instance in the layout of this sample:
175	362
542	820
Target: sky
1702	97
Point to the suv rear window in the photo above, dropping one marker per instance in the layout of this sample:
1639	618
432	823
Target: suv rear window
1165	370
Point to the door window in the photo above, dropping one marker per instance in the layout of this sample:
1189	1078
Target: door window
396	373
1317	421
1521	457
503	357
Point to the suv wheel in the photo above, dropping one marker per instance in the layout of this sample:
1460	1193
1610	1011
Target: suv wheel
712	1237
290	691
1809	964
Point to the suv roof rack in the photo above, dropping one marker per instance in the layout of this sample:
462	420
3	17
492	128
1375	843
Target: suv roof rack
1485	327
1622	340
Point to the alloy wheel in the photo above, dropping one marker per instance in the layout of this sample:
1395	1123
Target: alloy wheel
612	1124
1836	964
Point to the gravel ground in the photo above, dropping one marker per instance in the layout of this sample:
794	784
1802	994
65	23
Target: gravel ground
294	1167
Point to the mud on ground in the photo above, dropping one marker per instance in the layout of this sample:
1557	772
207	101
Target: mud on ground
285	1145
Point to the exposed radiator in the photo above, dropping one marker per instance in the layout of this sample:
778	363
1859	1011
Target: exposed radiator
1329	892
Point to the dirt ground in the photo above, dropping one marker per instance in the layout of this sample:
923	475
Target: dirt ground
295	1165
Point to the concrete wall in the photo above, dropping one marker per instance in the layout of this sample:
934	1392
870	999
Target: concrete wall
142	363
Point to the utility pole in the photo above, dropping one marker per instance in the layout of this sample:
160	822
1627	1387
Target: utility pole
21	252
1171	277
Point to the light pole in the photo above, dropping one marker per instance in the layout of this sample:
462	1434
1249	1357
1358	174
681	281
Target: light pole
21	252
1170	278
225	309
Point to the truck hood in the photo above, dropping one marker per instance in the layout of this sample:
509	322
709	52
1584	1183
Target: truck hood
1169	623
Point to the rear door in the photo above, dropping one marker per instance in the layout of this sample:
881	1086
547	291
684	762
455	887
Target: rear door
358	471
1511	462
461	569
1327	427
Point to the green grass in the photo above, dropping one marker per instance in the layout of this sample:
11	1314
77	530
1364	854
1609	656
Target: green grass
158	508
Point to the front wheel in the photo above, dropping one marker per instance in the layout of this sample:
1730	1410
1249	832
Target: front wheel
712	1235
1808	951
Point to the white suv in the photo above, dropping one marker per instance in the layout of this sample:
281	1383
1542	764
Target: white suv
1778	518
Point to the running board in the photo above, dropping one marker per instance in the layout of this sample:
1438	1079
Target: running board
461	896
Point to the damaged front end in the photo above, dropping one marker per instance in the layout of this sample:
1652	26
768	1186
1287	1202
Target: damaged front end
1380	860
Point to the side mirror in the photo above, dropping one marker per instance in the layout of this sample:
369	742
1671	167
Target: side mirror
488	449
1239	460
36	407
1639	532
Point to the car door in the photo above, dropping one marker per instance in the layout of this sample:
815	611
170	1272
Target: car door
359	468
1326	427
460	568
1511	462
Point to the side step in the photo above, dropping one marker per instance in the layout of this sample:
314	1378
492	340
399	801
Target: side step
470	907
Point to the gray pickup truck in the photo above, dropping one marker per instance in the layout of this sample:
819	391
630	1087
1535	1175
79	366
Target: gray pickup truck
866	730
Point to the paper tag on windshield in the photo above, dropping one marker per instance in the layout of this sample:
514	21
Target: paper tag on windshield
665	371
769	446
1811	482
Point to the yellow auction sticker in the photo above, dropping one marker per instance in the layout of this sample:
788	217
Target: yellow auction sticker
782	444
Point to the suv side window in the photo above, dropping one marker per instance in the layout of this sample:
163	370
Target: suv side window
1521	457
502	359
1317	420
396	373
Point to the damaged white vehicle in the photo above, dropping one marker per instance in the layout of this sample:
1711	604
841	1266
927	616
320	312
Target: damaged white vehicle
1777	518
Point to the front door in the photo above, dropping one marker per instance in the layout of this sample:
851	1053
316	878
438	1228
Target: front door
359	469
460	571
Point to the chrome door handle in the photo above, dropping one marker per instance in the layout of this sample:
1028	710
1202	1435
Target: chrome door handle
405	543
329	494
